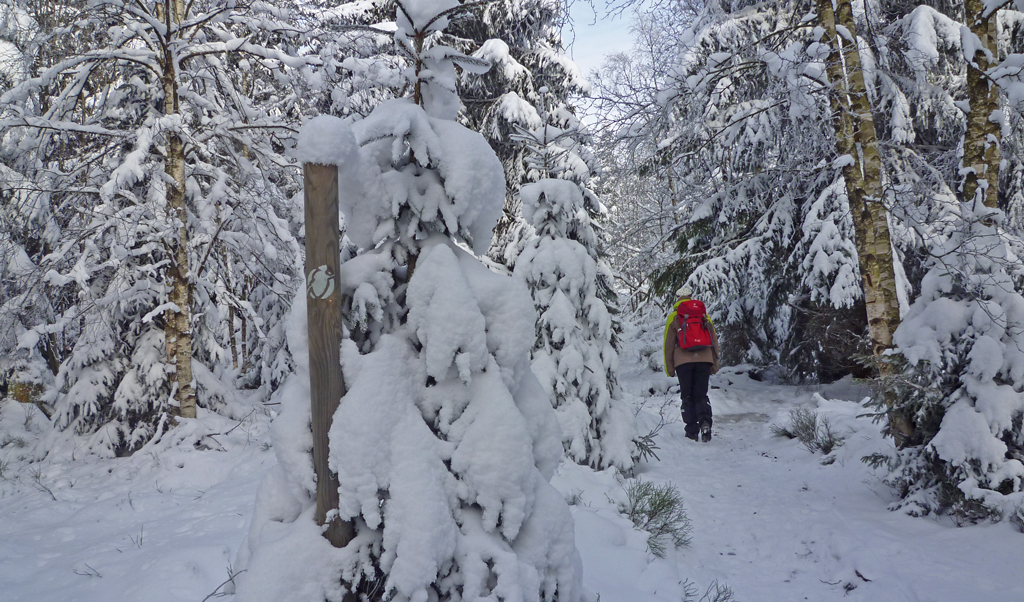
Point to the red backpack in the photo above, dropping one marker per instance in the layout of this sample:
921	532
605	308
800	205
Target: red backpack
694	334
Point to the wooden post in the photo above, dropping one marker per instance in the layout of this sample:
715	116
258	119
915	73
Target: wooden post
323	315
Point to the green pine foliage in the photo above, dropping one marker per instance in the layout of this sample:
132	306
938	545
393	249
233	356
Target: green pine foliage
658	510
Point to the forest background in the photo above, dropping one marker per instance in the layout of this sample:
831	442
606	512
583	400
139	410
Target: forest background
842	181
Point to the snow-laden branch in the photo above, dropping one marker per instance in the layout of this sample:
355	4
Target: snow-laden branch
40	123
138	10
19	92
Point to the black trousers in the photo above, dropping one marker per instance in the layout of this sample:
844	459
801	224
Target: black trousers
693	390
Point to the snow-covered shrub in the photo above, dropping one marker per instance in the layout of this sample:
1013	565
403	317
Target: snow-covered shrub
812	429
115	382
658	509
958	377
445	442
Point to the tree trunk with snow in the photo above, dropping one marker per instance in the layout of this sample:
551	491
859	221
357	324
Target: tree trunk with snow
855	137
981	138
177	328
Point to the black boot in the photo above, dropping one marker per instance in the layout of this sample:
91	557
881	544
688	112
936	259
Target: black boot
690	419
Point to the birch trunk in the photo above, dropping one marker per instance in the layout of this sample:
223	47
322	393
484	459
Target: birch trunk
981	138
855	137
178	327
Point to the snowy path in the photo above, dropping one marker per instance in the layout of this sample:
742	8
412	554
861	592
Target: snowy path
769	520
774	524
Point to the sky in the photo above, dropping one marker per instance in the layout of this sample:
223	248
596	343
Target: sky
594	35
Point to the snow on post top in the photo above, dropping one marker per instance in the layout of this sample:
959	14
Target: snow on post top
326	140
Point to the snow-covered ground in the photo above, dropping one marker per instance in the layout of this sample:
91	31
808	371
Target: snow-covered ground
769	519
773	523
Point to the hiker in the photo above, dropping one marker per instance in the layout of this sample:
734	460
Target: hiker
691	355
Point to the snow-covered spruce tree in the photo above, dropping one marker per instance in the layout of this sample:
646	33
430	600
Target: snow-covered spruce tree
29	227
573	355
88	261
959	349
148	157
527	54
445	441
561	149
360	66
26	370
522	39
